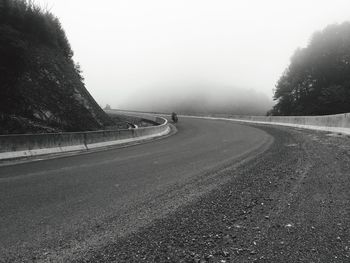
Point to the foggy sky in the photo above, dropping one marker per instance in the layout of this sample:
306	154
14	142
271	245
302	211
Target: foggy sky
135	52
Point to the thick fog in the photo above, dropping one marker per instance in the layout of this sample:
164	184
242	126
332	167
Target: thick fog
200	98
189	55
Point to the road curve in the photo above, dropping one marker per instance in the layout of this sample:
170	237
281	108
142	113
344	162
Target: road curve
58	209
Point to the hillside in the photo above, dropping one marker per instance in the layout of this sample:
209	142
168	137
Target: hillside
203	99
41	88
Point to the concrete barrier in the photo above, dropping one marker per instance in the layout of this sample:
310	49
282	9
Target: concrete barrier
338	123
338	120
25	145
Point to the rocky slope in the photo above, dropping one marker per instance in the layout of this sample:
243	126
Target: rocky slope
41	88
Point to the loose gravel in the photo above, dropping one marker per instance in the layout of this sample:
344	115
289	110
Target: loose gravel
290	204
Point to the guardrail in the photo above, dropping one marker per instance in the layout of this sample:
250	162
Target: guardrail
24	145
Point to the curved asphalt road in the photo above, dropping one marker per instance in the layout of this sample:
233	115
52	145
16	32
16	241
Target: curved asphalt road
57	209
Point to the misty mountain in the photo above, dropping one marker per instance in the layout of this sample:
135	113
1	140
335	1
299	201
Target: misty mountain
202	99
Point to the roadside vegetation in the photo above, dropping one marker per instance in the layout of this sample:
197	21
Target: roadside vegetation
127	121
317	81
41	87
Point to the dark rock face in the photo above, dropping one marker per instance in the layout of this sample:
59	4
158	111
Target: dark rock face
41	88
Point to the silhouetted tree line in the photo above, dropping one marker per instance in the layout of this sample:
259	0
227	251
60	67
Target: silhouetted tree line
317	81
39	80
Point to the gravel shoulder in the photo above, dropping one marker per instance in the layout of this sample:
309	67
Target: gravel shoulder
289	204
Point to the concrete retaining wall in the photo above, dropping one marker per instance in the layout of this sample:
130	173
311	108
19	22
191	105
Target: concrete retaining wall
22	145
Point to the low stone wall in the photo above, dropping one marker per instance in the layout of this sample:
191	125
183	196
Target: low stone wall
22	145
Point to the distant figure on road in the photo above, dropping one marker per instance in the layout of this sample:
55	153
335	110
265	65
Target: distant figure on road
174	117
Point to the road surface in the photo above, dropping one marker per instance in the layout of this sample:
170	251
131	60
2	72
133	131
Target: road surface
289	204
61	208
